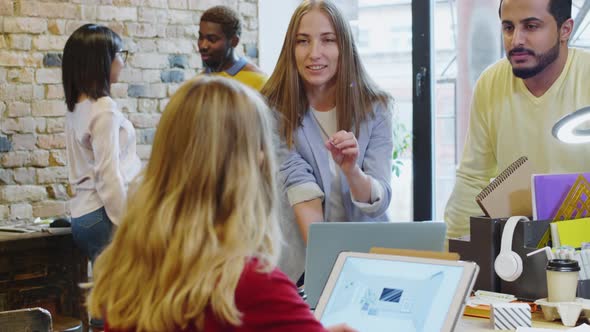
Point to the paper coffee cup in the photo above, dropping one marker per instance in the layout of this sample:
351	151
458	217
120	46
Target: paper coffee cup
562	280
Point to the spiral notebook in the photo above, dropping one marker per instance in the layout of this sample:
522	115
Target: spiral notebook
509	194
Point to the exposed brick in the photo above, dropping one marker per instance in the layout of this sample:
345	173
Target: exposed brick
172	76
49	108
54	91
25	25
4	213
111	13
48	9
6	7
181	17
5	144
177	4
13	194
178	61
38	92
48	76
172	89
52	60
130	75
57	27
6	176
18	109
39	158
152	15
176	45
20	42
23	142
18	125
146	136
144	151
147	91
146	30
14	158
58	191
146	46
2	74
248	9
148	105
144	120
25	175
41	125
88	12
49	42
156	3
51	141
20	59
52	174
57	158
119	90
16	92
149	61
127	105
205	4
22	211
152	76
47	209
53	125
20	75
163	103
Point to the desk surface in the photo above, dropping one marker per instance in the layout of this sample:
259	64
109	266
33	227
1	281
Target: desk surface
472	324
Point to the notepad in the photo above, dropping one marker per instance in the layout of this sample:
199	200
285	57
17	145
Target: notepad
509	194
573	232
549	191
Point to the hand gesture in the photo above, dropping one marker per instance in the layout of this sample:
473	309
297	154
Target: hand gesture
344	149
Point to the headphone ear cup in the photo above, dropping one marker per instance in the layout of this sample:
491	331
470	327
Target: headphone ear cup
508	266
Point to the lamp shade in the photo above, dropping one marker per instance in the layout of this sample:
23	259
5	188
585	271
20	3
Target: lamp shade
568	130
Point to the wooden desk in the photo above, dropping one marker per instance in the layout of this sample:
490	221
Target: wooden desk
42	269
472	324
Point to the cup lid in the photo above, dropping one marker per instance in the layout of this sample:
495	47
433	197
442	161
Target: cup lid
563	265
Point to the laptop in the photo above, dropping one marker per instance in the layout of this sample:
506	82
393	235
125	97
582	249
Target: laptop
326	240
372	292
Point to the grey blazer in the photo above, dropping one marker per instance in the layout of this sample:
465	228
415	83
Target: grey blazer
308	161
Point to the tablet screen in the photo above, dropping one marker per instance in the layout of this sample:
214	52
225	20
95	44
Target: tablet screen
387	295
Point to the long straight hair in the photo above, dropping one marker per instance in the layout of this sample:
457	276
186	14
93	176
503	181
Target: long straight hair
86	64
356	93
206	203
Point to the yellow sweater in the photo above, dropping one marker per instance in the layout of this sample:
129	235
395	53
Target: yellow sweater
253	79
508	122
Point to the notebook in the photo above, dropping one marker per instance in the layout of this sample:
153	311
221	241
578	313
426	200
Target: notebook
573	232
372	292
509	194
326	240
549	191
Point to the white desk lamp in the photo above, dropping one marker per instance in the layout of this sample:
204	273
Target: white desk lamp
567	131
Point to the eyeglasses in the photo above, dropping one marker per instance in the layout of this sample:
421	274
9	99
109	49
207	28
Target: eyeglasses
124	54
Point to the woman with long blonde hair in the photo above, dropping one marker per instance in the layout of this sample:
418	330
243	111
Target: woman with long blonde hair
197	248
336	123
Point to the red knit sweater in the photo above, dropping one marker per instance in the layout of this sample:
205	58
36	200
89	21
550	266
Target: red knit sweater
268	302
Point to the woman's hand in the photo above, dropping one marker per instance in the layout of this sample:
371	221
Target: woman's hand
340	328
344	149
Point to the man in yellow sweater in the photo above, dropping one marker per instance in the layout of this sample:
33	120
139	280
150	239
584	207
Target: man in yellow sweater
516	102
219	34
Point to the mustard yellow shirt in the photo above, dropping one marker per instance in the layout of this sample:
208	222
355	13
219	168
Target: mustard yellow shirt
507	122
253	79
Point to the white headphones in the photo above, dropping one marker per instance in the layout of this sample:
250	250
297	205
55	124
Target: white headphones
508	264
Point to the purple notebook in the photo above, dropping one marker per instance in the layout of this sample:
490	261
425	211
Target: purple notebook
549	191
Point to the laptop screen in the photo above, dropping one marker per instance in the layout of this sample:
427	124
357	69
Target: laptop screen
378	295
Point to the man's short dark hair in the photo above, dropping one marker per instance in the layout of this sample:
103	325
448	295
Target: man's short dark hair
226	17
86	64
561	10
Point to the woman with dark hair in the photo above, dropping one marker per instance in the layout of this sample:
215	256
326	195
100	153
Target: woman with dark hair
100	141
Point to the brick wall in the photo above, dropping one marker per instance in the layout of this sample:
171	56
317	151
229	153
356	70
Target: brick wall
161	38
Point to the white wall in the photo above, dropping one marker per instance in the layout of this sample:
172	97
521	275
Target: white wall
274	17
